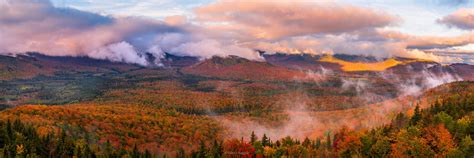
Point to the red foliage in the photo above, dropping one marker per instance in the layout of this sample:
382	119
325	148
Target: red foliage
238	148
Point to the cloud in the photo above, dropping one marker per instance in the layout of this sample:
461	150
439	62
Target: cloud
464	49
417	83
209	48
119	52
36	25
328	44
353	44
459	54
424	47
426	42
176	20
265	20
222	28
317	28
462	19
443	3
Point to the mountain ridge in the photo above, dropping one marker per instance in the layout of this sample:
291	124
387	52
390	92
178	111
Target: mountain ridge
33	64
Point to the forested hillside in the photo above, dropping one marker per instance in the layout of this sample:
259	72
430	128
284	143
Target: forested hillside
442	130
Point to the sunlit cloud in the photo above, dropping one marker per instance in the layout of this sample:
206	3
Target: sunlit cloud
264	20
462	18
128	30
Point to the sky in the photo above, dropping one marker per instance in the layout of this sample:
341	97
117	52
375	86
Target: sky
419	16
123	30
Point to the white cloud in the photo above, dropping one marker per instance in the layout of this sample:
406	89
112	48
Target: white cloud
120	52
208	48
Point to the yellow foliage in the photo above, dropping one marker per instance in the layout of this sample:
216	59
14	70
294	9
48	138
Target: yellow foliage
20	149
367	66
269	151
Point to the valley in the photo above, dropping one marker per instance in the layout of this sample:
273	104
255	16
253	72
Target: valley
165	109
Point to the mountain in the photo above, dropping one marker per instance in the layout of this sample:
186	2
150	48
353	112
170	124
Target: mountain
343	63
33	64
300	62
275	67
234	67
442	91
22	67
465	71
171	60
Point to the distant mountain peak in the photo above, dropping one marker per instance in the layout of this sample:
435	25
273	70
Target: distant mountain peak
229	60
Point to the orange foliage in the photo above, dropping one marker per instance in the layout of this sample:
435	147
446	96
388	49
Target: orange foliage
125	125
439	139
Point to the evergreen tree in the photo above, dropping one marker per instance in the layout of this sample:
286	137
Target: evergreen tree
317	144
202	152
253	138
181	153
121	152
3	135
147	154
277	143
416	116
306	142
77	151
135	153
400	121
265	140
88	153
108	151
328	141
9	130
216	150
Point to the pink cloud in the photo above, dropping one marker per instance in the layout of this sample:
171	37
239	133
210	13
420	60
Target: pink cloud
38	26
219	29
426	42
462	18
265	20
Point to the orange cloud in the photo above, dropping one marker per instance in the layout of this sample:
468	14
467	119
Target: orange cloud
427	42
264	20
